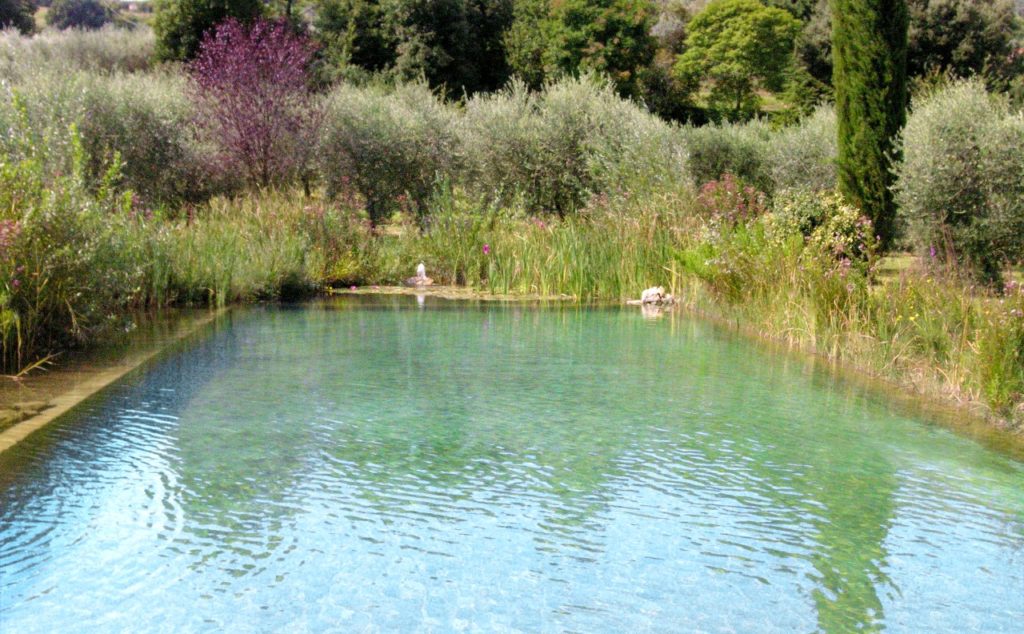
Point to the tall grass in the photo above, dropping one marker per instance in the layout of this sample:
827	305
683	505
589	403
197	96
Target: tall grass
924	329
239	250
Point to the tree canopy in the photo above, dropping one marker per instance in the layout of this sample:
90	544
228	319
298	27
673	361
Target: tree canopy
80	14
181	25
737	47
16	14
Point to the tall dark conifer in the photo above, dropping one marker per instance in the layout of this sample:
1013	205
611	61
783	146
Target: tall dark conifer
869	49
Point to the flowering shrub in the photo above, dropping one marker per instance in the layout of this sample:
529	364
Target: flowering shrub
728	201
829	225
252	91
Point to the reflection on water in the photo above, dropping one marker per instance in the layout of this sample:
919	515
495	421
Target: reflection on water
399	465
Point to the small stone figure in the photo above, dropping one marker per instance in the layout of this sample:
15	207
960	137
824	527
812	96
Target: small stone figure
654	296
421	278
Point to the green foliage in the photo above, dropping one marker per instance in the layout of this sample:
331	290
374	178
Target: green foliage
80	14
803	156
963	37
610	37
456	45
180	25
740	150
814	45
389	148
961	186
147	121
105	50
957	37
829	225
738	46
556	149
243	249
68	262
17	14
870	48
353	34
527	41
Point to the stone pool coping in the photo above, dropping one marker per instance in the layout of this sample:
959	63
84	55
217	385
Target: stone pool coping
35	414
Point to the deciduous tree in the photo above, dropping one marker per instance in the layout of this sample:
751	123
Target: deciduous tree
737	47
252	92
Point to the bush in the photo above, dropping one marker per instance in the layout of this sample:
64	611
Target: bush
803	156
146	119
80	14
390	148
830	226
738	149
142	118
557	148
961	186
108	49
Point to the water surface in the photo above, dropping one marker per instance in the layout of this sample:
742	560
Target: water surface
369	464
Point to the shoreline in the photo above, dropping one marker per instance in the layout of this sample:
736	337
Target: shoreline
80	388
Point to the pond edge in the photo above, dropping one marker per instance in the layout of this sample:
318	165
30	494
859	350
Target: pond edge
68	400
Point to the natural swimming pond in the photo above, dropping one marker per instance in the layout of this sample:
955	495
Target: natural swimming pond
372	464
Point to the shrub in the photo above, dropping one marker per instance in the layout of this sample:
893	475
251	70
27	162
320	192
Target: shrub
105	50
738	149
961	186
146	119
557	148
829	225
803	156
253	101
69	262
80	14
391	148
726	201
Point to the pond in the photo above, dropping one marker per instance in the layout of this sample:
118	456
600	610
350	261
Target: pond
379	464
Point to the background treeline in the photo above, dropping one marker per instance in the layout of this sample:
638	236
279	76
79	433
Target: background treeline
686	60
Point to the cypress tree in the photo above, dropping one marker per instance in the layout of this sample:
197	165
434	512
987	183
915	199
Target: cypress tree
869	49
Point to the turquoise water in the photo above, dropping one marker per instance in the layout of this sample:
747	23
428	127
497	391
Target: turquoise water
377	465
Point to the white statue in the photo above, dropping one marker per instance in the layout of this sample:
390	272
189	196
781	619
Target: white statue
421	278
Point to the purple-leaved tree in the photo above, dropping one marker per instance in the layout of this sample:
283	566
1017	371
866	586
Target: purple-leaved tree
254	103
